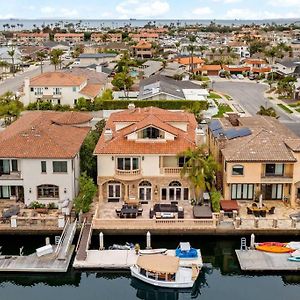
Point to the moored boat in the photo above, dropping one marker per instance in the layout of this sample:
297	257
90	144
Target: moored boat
153	251
164	271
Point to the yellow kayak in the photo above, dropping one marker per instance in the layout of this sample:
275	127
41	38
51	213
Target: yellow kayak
274	249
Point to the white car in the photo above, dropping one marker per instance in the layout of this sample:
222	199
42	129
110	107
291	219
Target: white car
240	76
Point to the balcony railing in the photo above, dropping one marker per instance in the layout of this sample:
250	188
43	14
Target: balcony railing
270	178
11	175
128	174
171	170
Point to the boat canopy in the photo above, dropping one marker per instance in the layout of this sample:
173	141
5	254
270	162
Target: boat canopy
185	246
158	263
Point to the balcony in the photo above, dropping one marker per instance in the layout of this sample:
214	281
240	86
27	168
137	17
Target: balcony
128	175
11	176
273	178
171	170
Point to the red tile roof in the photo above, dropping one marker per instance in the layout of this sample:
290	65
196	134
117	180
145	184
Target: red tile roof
38	135
140	118
91	90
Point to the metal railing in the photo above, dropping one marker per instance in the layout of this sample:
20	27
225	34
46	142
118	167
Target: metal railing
62	237
80	235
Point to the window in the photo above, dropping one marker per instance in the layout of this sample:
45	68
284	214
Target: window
242	191
14	165
151	133
75	101
32	89
174	192
145	191
43	166
60	167
181	161
74	89
48	191
56	91
114	191
39	91
128	163
272	191
4	192
274	169
237	170
4	166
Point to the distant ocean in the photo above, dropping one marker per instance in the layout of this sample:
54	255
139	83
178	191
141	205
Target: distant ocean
117	23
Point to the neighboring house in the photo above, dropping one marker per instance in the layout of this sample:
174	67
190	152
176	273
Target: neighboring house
96	58
164	88
208	70
190	62
151	67
143	50
174	69
6	58
137	155
39	157
259	155
64	46
240	48
144	36
290	67
69	37
60	88
30	52
31	38
106	37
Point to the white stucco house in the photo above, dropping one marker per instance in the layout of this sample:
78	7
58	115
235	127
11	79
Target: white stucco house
39	157
62	88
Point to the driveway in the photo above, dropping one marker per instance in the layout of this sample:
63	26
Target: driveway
14	83
251	96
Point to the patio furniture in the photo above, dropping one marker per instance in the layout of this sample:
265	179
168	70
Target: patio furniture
151	213
228	206
12	211
167	215
256	213
272	210
140	211
165	207
128	212
180	213
254	205
263	213
206	197
249	211
118	212
202	212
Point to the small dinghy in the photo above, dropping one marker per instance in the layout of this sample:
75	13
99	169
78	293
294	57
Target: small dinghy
127	246
153	251
273	247
184	250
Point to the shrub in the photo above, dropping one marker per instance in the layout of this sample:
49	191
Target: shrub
215	197
36	204
51	205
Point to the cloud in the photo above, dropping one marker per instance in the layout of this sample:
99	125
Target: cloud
145	8
285	3
227	1
202	11
47	10
59	12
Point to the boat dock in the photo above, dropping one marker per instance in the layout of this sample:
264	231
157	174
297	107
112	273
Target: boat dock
254	260
114	259
56	262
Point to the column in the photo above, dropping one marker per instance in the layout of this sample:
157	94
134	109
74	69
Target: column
126	193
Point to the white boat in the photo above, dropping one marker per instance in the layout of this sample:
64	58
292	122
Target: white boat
153	251
164	271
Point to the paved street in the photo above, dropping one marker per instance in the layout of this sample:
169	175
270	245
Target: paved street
14	83
251	96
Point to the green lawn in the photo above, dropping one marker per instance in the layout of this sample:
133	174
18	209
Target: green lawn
295	104
213	95
223	109
285	108
228	97
298	110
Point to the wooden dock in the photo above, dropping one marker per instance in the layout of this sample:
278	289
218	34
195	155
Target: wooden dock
254	260
56	262
120	259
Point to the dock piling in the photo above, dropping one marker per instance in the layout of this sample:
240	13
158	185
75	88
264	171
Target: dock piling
252	241
101	241
47	240
21	251
148	240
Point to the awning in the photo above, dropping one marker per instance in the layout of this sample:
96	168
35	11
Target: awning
159	263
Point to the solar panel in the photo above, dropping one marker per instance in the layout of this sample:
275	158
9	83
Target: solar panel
244	132
231	134
214	125
217	132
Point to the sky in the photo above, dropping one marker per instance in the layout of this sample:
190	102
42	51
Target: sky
150	9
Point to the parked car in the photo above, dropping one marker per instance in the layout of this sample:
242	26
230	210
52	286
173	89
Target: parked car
240	76
252	76
222	75
233	76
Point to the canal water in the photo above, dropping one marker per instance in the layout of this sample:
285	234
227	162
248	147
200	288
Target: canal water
221	277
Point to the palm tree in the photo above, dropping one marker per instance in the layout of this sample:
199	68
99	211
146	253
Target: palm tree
192	48
267	111
55	57
12	53
177	45
199	169
40	55
213	51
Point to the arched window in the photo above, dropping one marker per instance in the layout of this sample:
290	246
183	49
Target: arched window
150	133
48	191
175	183
237	170
145	183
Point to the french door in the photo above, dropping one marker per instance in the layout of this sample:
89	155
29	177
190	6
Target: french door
145	193
114	192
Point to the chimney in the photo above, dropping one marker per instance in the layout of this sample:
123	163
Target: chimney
108	134
200	136
233	118
131	106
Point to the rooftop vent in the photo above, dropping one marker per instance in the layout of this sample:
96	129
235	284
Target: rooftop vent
131	106
108	134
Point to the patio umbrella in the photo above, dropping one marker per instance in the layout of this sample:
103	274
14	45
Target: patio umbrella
260	203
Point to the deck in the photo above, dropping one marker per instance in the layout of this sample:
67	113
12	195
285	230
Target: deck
254	260
120	259
56	262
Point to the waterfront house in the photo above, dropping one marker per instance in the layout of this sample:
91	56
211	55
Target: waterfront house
39	156
144	36
86	59
137	155
159	87
106	37
60	88
259	155
190	63
31	38
240	48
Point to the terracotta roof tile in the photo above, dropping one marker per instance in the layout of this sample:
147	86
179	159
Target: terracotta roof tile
91	90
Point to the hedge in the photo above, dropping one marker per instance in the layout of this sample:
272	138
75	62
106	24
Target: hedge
123	104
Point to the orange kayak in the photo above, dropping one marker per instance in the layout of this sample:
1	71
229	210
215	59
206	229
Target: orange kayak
274	249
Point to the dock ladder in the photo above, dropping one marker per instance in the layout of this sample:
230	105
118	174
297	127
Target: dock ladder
243	244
